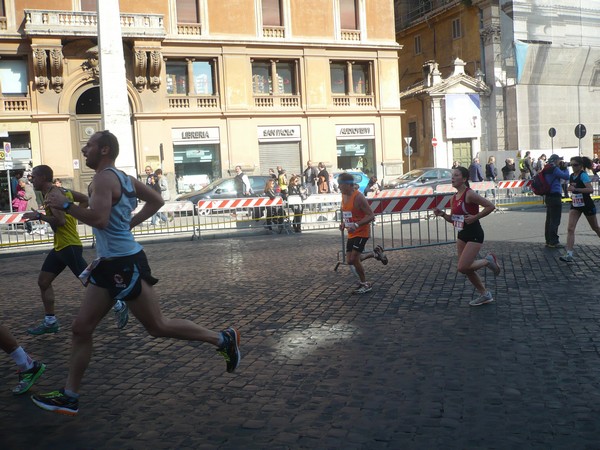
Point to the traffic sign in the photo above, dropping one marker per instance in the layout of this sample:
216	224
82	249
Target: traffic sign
408	151
552	132
580	131
7	149
434	142
1	155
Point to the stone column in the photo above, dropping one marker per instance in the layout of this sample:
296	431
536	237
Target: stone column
116	116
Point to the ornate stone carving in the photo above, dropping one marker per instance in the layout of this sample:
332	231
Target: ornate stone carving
491	34
154	69
92	65
56	69
140	67
40	69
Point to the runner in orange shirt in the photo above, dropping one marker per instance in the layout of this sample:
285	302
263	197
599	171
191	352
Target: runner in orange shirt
356	218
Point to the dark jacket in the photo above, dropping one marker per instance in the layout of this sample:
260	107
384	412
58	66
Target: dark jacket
491	171
475	172
508	171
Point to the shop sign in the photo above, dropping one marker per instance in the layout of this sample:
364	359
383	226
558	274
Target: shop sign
185	136
279	134
360	131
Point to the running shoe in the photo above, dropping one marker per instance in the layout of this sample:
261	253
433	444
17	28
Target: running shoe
380	255
43	328
557	245
482	299
121	314
28	377
493	264
364	288
58	402
567	258
230	350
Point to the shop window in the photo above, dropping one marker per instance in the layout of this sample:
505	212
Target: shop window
283	72
89	5
348	15
271	13
13	77
351	78
356	155
187	11
191	77
456	32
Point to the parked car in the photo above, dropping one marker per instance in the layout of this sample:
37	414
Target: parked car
225	188
427	176
360	178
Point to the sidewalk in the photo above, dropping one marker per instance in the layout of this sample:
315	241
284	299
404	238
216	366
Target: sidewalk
408	365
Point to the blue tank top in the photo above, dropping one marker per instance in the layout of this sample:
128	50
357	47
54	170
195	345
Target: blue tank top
116	239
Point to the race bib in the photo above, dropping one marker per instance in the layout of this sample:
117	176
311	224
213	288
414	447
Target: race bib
459	221
347	216
577	200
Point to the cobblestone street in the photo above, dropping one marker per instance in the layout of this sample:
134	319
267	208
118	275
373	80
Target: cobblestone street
408	365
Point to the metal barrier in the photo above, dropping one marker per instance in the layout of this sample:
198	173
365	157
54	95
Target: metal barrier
407	222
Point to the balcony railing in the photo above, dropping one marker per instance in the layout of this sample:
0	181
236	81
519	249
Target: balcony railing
83	23
273	32
354	101
350	35
274	101
189	29
194	103
15	104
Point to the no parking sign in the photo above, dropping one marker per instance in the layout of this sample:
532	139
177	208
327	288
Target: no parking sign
6	151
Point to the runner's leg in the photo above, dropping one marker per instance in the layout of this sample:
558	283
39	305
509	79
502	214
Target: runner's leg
574	216
593	221
468	265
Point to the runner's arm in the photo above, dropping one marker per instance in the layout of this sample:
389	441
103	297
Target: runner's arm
153	202
474	197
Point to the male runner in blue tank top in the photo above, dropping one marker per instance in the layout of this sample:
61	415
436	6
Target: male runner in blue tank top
121	270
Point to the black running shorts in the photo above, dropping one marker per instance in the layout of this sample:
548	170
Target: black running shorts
471	233
123	276
71	256
356	244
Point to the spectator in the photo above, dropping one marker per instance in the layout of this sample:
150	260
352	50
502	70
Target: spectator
323	179
14	183
272	174
282	180
455	164
57	182
32	203
491	173
242	183
526	166
296	188
310	178
162	187
372	187
19	202
554	172
508	172
475	172
274	213
333	184
540	163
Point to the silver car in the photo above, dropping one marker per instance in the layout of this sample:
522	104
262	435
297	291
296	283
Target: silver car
427	176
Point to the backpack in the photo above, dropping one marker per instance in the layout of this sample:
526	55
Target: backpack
539	184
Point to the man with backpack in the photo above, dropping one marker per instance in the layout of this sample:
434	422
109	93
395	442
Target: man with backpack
553	172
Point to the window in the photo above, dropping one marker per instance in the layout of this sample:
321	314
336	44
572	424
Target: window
348	16
456	29
351	78
13	77
187	11
283	72
412	132
201	83
418	45
89	5
271	13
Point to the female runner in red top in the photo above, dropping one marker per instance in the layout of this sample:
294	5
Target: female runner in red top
465	218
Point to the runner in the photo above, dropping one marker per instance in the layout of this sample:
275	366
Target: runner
580	187
29	370
121	270
465	218
356	217
67	251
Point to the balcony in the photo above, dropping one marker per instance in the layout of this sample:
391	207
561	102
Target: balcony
353	101
189	30
275	101
350	35
82	23
15	104
271	32
194	103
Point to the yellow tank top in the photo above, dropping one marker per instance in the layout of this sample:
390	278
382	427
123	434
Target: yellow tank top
66	234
